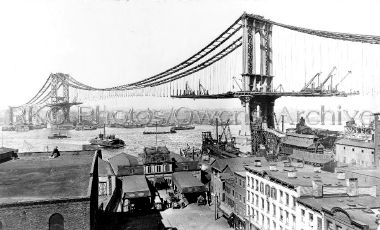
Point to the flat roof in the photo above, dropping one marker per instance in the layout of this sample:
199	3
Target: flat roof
305	175
187	183
41	178
356	143
135	186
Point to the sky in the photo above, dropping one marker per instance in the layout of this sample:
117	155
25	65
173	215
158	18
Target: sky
105	43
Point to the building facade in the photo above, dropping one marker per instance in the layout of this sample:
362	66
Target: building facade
355	153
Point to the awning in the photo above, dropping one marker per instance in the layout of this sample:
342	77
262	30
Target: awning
187	183
227	211
135	186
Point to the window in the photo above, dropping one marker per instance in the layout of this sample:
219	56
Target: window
248	196
302	215
287	199
267	190
281	195
274	210
362	151
353	149
244	199
167	168
262	187
262	203
293	220
281	215
252	197
252	182
239	197
262	219
158	167
319	223
274	224
240	183
294	202
56	222
247	181
257	185
102	188
274	193
149	169
287	217
311	218
257	200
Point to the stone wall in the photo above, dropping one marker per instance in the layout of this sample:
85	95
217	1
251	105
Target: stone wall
35	215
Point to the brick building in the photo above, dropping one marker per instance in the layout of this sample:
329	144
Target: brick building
42	193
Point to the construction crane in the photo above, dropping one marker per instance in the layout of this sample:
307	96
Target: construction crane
320	87
306	87
345	76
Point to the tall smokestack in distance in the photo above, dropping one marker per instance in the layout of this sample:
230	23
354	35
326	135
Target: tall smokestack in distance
377	139
97	114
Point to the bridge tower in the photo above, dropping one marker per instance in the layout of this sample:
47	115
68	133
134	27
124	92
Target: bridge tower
57	102
259	108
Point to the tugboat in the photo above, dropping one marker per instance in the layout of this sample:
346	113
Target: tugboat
58	136
110	141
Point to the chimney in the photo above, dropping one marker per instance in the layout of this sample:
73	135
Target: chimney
341	175
317	188
292	174
352	186
257	163
272	167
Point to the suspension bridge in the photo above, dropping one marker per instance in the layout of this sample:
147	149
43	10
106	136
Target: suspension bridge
255	60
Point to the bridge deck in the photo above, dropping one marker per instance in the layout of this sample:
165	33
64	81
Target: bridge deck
261	94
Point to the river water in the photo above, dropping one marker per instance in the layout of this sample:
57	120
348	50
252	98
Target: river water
37	140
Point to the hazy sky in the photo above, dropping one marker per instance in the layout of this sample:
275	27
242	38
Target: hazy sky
110	42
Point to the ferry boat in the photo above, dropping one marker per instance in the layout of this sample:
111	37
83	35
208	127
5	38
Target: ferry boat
110	141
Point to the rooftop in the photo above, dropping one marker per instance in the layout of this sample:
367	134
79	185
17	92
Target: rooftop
41	178
237	163
104	168
355	207
123	159
305	175
356	143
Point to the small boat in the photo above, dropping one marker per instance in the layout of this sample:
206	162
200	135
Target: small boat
110	141
58	136
160	132
183	127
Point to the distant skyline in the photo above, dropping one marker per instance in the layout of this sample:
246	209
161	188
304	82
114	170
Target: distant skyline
105	43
